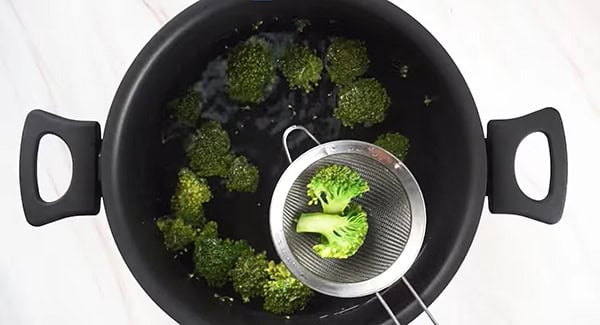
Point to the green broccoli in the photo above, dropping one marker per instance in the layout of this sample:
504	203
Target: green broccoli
191	192
250	275
250	71
186	109
214	258
363	101
176	233
395	143
342	236
346	60
209	231
301	24
242	176
301	67
209	152
284	294
334	186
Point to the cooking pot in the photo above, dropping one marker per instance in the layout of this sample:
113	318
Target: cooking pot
133	167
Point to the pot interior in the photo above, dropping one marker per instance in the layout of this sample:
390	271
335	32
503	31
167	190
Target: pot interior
141	159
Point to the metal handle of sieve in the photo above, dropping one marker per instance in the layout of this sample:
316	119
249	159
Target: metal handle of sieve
291	129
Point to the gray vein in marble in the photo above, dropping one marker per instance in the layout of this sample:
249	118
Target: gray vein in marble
157	12
39	62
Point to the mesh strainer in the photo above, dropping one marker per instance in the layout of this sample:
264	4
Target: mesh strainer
395	209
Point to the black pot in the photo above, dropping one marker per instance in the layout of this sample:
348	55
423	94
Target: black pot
134	171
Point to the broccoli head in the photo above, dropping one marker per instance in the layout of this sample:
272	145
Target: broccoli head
342	236
301	67
284	294
334	186
176	233
209	231
346	60
190	193
242	176
395	143
209	152
250	275
362	101
301	24
186	109
250	71
214	258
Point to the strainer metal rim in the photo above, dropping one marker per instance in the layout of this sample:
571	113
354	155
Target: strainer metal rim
415	238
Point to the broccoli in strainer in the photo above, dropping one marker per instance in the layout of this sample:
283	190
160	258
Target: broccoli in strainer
343	225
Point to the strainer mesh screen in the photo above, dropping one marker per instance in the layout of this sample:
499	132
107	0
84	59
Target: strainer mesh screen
389	217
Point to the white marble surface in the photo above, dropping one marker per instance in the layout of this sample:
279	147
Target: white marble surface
68	57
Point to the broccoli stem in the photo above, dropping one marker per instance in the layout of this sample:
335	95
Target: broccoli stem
321	223
335	206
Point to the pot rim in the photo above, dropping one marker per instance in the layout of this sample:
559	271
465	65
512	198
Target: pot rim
167	37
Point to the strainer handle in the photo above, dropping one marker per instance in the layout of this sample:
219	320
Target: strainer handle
291	129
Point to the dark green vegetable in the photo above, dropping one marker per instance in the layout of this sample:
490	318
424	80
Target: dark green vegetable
209	152
214	258
242	176
342	236
362	102
301	24
427	100
346	60
334	186
176	233
395	143
191	192
209	231
250	71
301	67
284	294
187	109
250	276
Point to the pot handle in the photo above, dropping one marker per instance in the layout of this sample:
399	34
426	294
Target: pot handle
505	195
83	195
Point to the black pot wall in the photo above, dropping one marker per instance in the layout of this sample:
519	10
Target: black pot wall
448	155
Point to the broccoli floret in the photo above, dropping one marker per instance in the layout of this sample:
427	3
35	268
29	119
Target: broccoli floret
342	236
250	71
214	258
301	67
208	232
395	143
187	109
176	233
242	176
301	24
363	101
209	152
284	294
250	275
334	186
346	60
190	193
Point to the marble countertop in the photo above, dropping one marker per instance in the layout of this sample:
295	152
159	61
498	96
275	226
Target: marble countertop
517	56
